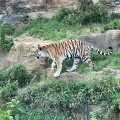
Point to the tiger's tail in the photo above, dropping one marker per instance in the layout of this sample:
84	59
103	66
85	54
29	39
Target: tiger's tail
101	52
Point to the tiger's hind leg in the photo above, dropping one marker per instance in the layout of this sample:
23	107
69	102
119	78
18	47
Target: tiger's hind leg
53	65
75	65
88	61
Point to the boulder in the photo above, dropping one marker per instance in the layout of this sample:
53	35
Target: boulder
22	52
104	40
75	76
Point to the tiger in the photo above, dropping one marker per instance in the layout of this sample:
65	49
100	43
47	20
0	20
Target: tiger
75	49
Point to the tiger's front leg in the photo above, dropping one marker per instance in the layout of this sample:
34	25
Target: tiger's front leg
59	67
75	65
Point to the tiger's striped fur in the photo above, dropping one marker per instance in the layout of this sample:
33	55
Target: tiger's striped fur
76	49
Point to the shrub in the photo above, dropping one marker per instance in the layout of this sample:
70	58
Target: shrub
67	15
5	44
20	74
9	91
115	16
9	29
98	13
112	25
3	77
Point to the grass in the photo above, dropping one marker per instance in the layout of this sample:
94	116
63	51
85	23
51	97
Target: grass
54	30
53	99
41	114
66	100
51	29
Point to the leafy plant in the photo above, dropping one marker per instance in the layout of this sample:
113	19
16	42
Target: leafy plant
20	74
13	111
9	91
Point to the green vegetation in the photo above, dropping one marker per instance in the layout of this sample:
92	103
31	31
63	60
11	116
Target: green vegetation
12	111
13	78
51	99
113	25
20	74
69	98
15	74
5	43
70	23
49	29
9	91
60	100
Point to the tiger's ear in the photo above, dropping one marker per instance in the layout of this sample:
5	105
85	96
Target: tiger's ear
39	47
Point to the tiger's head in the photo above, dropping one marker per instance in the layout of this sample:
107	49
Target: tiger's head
39	52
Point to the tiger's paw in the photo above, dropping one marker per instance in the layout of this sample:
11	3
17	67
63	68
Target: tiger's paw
68	70
56	75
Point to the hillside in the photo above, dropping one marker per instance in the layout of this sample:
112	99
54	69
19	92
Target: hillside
28	90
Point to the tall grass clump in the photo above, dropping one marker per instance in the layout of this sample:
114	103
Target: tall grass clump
5	43
9	91
42	114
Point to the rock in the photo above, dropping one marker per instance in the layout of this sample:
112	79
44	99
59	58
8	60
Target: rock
34	15
26	6
74	76
71	76
13	19
1	16
12	11
22	53
104	40
66	76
